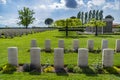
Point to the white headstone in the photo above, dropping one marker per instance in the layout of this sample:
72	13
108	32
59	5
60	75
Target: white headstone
118	45
35	56
90	45
75	44
58	58
104	44
13	56
82	57
47	45
61	43
33	43
107	57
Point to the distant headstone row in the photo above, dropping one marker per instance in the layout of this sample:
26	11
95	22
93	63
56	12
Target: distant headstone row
75	44
107	57
11	33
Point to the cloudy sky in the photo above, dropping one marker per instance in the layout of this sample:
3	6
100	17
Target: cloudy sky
56	9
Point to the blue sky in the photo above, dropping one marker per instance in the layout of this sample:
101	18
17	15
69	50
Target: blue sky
56	9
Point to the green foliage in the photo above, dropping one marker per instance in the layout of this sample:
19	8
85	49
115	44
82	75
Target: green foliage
79	15
77	69
49	21
49	69
86	17
8	68
87	70
98	67
47	63
60	23
101	15
70	22
70	68
109	16
26	17
93	14
94	23
111	70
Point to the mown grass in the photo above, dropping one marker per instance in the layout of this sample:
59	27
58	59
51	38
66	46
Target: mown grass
52	76
23	44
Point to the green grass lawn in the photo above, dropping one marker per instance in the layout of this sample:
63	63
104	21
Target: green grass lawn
23	44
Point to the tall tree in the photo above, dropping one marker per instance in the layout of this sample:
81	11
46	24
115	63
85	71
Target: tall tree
82	18
79	15
86	17
48	21
26	17
90	15
97	15
93	14
101	15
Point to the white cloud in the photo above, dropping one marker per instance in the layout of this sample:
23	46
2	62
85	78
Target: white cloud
114	5
108	5
80	2
98	2
94	3
10	22
1	17
89	4
38	22
3	1
57	6
40	7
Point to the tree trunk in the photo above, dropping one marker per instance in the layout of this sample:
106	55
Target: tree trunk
96	31
66	30
26	27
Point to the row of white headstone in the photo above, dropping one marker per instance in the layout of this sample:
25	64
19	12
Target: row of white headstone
90	44
107	57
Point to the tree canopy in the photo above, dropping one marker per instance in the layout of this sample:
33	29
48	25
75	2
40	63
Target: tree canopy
49	21
70	22
96	23
67	23
26	17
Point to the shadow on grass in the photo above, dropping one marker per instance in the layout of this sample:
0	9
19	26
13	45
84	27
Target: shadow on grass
74	37
104	36
88	71
112	70
34	70
35	73
61	72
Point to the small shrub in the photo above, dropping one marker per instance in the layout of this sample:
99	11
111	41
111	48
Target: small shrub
49	69
26	67
70	68
98	67
87	70
77	69
8	69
